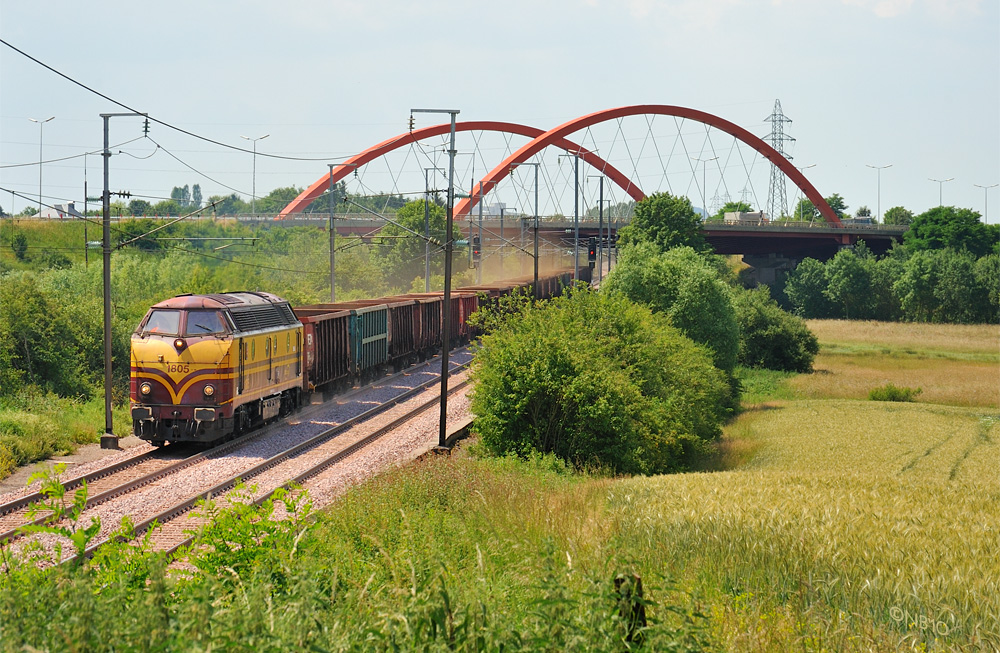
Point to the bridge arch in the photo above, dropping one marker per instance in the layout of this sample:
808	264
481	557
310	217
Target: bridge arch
556	135
344	169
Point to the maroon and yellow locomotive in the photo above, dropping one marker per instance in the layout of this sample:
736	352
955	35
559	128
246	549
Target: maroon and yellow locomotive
206	366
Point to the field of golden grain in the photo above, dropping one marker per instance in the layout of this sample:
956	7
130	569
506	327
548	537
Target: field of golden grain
952	364
843	523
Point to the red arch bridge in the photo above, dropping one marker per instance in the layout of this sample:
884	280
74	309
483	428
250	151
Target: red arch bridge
635	149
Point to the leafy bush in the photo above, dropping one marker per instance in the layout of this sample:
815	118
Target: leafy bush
890	392
599	380
687	288
770	337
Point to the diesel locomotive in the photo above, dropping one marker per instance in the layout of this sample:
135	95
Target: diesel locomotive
208	367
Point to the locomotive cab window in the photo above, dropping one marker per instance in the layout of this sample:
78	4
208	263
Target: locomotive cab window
163	322
203	323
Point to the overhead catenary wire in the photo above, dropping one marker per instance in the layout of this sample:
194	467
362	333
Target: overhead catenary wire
162	122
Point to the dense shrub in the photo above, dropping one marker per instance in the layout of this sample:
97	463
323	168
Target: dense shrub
890	392
687	288
770	337
599	380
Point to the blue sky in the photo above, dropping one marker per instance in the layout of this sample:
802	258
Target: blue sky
911	83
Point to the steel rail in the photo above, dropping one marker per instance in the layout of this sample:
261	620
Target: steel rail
186	505
219	450
335	458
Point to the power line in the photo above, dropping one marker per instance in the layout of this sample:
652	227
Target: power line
161	122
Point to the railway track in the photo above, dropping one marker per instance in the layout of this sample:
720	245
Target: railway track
150	473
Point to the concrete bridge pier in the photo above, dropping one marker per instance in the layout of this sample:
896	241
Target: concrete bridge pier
765	267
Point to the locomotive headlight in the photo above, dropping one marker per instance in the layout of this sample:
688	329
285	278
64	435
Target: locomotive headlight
209	390
179	344
145	389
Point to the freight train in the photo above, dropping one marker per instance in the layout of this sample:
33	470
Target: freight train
208	367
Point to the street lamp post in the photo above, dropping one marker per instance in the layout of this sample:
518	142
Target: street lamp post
878	200
704	176
253	193
941	183
41	124
986	206
448	246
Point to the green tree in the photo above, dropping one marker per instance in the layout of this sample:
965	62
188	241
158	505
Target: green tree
19	243
863	212
942	286
947	226
666	221
732	207
848	285
838	205
196	196
139	207
595	378
805	212
181	195
229	204
987	271
897	215
684	286
277	199
40	343
805	288
770	337
402	252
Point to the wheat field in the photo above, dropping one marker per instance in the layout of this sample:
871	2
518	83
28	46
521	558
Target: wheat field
846	524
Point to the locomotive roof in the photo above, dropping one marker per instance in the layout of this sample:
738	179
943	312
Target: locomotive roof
231	300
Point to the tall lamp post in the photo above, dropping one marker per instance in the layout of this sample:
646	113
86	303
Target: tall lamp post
41	124
986	206
253	195
534	287
704	176
448	246
941	183
878	200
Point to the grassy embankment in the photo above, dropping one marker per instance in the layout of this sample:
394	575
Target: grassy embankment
843	524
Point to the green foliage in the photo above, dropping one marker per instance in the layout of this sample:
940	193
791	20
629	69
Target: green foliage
596	380
685	287
805	288
139	207
732	207
402	253
246	540
897	215
805	211
838	205
666	221
890	392
37	338
63	518
942	286
863	212
19	243
847	284
770	337
950	227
